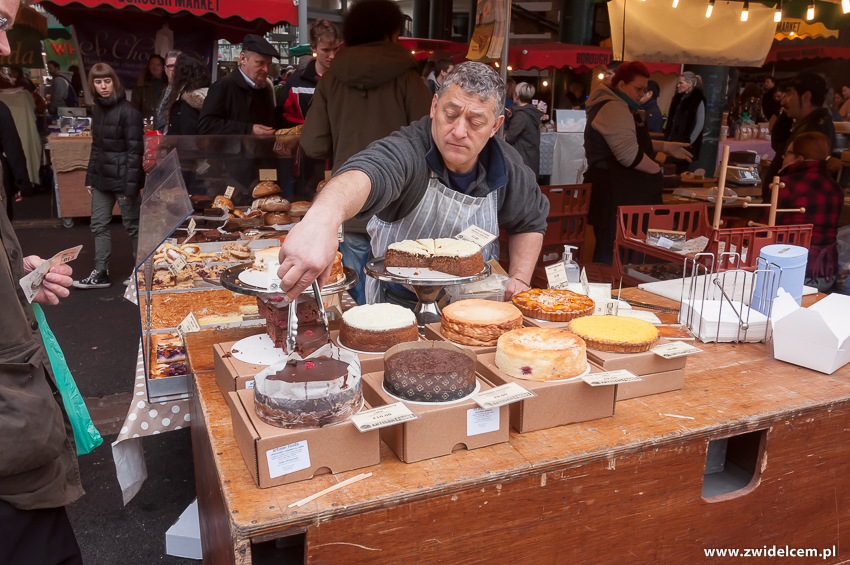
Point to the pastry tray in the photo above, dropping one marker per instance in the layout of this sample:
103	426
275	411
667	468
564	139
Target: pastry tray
375	268
230	280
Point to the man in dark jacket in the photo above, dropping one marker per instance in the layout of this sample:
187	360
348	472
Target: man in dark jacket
294	101
769	105
649	104
38	463
433	178
441	69
12	158
802	112
372	90
239	103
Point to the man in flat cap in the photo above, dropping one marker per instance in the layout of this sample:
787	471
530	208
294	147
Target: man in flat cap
242	103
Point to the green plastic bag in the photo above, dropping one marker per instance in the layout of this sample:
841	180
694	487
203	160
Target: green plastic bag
86	435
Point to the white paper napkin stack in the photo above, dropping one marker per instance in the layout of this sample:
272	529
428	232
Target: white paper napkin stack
713	320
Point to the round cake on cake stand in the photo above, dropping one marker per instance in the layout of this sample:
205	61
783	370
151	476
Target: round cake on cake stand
426	283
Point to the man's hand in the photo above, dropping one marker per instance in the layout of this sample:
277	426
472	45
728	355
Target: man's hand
261	130
307	254
677	150
89	188
55	283
515	286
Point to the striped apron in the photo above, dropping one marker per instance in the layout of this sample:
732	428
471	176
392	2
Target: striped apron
442	212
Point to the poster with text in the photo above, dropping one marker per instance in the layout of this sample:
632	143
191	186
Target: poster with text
489	34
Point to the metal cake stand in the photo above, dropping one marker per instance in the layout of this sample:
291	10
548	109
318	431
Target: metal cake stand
427	289
230	280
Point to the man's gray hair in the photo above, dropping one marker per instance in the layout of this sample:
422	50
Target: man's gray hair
172	54
478	79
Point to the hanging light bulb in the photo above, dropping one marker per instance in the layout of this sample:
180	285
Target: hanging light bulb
413	52
745	13
510	68
845	6
600	76
709	9
810	13
777	15
676	3
497	64
545	83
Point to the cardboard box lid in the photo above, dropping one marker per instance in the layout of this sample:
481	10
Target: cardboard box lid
644	363
817	337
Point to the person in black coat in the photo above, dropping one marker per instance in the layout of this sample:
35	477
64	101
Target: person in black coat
649	104
189	90
115	171
686	119
13	159
241	103
524	130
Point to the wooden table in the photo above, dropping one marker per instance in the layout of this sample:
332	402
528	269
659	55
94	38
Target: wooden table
625	489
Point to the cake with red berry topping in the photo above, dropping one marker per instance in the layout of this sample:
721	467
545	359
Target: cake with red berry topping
541	354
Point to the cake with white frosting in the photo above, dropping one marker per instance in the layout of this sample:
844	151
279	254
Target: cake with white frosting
263	257
377	327
452	256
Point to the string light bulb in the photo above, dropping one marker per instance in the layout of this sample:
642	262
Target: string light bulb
600	76
845	6
497	64
709	9
810	13
777	15
510	68
545	83
745	13
676	3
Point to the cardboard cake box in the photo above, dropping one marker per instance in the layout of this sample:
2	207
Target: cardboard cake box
441	428
556	403
659	374
230	373
433	332
278	456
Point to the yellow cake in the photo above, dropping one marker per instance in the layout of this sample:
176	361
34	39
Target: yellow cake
479	322
615	333
541	354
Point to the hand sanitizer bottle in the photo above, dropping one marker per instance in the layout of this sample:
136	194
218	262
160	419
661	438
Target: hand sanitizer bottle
572	268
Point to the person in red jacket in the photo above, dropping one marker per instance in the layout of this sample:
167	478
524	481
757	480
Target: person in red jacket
808	185
294	101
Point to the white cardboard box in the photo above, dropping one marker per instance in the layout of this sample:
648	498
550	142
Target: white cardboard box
183	539
817	337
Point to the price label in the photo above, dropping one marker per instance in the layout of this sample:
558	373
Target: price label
203	167
255	205
557	276
32	282
585	285
664	243
501	395
611	378
675	349
340	234
190	231
268	174
178	265
274	281
188	325
383	416
229	192
476	235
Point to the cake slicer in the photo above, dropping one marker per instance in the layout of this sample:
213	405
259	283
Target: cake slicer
292	318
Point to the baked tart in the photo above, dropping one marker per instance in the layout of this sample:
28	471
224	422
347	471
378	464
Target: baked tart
616	333
553	305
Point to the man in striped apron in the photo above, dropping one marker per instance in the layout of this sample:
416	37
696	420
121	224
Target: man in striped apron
434	178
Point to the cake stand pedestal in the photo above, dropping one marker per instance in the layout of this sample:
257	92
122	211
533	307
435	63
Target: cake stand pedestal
427	287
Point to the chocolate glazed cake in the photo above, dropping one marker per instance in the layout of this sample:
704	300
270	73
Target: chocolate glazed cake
310	393
429	372
311	333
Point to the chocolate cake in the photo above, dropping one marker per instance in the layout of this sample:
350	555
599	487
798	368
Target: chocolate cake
310	393
452	256
311	333
377	327
424	372
308	339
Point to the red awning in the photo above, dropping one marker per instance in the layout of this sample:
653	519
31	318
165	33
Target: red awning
809	52
231	18
580	58
425	48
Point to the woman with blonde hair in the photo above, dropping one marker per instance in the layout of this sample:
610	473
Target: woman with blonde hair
686	118
523	132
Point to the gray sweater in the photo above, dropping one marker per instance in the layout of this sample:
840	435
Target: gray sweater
399	168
